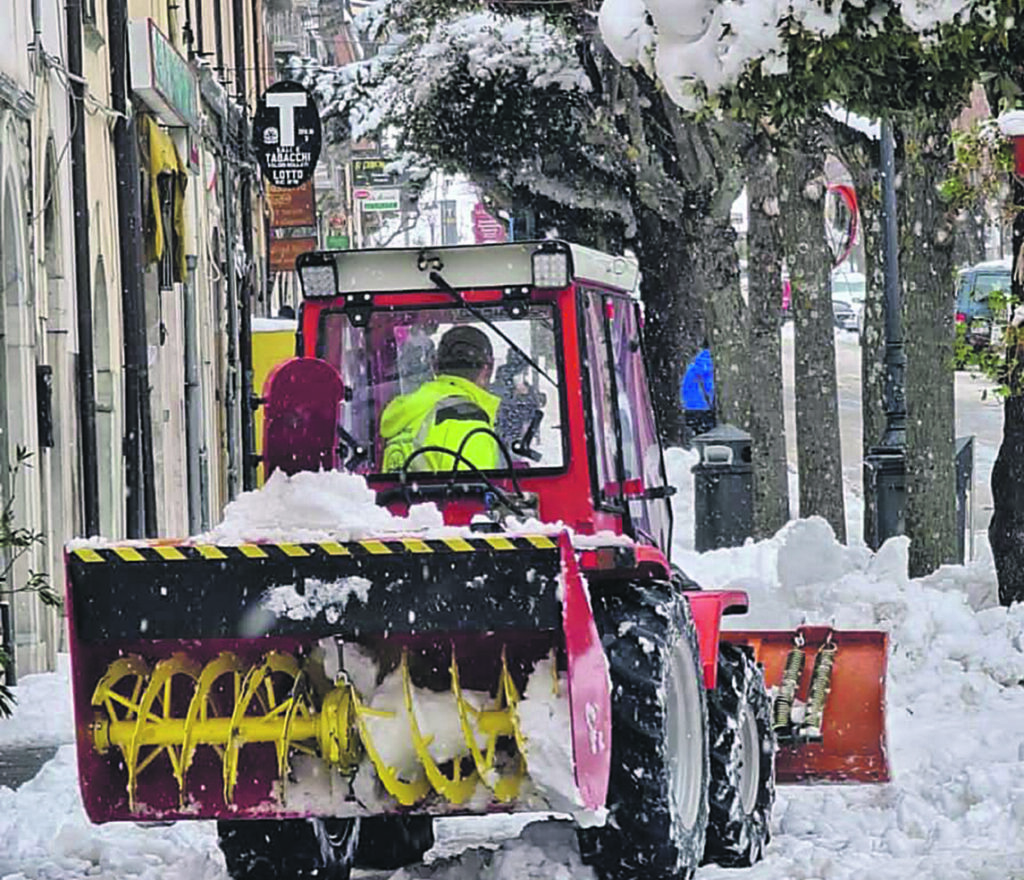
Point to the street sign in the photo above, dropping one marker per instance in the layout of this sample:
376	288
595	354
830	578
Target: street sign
286	134
449	222
293	227
380	200
485	228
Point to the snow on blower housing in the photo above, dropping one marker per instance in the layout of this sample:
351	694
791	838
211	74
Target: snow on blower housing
531	649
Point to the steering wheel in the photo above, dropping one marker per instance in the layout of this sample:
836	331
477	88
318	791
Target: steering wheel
460	458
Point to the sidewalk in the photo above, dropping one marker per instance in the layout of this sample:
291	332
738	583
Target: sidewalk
18	764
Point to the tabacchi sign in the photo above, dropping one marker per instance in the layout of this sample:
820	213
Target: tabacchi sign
287	134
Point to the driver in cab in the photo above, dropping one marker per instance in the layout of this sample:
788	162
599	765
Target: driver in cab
446	410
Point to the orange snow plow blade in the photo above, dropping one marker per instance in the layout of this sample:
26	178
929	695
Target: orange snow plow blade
828	690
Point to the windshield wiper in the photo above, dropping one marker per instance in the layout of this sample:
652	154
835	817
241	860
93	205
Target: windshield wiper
435	276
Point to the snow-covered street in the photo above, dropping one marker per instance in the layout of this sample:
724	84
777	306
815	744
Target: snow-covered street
955	807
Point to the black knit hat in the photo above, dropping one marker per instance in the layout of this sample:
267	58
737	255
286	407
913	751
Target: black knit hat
464	348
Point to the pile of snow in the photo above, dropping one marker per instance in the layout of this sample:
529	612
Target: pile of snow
42	716
46	836
327	506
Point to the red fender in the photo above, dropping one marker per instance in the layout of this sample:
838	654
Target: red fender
707	609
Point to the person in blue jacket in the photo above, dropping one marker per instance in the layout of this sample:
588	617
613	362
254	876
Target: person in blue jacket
698	393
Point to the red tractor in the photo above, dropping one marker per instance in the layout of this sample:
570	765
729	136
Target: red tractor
324	699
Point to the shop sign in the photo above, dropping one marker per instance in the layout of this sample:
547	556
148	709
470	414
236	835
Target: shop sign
293	226
368	173
381	200
292	207
284	251
287	135
161	77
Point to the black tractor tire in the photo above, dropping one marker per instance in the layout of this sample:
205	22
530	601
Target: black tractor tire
390	842
297	849
658	788
742	791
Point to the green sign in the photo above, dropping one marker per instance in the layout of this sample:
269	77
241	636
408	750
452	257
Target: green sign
380	205
160	76
337	242
172	76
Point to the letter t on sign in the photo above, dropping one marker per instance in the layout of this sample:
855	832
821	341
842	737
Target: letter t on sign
286	103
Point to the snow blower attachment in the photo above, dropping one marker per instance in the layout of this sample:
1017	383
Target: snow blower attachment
268	680
828	710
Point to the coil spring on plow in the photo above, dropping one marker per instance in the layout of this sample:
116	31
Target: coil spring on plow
179	705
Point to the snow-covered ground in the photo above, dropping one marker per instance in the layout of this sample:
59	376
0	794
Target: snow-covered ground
955	807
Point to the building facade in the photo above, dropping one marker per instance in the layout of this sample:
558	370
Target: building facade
132	244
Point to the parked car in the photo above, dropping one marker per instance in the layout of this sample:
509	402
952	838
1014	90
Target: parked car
849	289
845	316
981	301
849	286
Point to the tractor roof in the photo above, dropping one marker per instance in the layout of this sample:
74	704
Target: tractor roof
464	267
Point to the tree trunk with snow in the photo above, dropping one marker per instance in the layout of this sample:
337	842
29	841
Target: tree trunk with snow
672	325
861	157
927	286
969	247
718	284
872	336
764	295
1006	528
819	457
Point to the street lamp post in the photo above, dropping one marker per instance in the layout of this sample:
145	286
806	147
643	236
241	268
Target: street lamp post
885	466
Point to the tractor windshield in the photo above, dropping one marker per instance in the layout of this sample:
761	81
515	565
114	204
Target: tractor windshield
447	381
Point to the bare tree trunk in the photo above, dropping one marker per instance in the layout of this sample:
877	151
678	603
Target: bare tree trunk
672	333
969	247
872	335
1006	528
718	283
819	457
764	295
926	267
862	158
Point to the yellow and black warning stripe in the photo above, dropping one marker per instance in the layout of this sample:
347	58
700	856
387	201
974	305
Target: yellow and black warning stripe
281	551
412	585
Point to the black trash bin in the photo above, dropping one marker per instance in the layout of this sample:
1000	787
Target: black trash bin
723	489
885	495
965	498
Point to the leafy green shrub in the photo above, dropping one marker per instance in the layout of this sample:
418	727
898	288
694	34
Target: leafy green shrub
15	542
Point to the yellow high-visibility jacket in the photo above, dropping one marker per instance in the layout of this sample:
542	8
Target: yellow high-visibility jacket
441	412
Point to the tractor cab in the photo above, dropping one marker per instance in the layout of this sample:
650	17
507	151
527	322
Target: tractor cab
554	423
